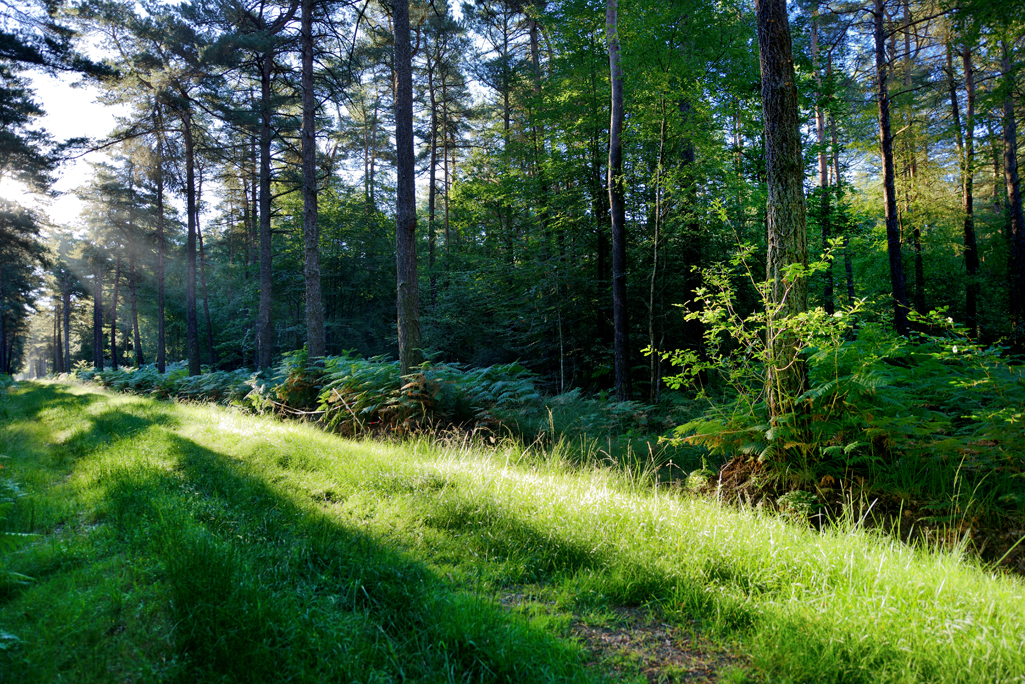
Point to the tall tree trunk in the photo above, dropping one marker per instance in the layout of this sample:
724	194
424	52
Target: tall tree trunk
265	332
785	207
966	145
655	367
824	194
202	279
898	290
912	172
98	315
834	141
133	296
1016	279
66	310
113	315
132	289
621	331
999	185
444	162
161	246
407	285
191	315
432	239
58	365
311	231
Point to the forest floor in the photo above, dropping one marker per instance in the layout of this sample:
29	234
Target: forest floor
178	542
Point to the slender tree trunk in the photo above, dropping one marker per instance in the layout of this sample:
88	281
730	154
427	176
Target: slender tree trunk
900	299
824	194
66	310
912	172
134	304
785	208
202	279
161	246
191	317
311	231
432	63
1016	298
655	370
98	316
408	300
834	141
57	344
621	330
999	184
444	160
971	254
254	211
265	335
113	315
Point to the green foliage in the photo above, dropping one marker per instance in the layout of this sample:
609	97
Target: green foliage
9	541
355	395
214	386
934	418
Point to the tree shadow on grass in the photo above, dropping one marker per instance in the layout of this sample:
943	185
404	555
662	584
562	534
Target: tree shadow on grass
263	589
32	398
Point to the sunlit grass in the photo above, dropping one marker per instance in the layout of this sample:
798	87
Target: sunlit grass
193	542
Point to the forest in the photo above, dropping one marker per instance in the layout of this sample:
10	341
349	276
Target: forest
519	340
790	236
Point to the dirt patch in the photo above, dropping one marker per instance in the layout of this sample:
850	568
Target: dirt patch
634	642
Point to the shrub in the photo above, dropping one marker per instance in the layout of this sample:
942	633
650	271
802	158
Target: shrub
933	418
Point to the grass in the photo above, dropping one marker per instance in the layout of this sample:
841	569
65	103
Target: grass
194	543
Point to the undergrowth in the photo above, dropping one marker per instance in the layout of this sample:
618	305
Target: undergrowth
354	396
931	427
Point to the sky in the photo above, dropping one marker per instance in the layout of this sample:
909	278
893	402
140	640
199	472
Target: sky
70	112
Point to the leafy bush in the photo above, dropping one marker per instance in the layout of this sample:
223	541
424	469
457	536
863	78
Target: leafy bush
353	395
932	419
361	395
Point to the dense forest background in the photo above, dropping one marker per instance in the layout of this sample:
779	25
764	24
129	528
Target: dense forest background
200	241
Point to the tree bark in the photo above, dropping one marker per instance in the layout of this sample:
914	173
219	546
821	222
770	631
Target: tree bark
202	277
98	316
971	253
161	248
785	208
897	287
58	360
432	239
1016	279
912	172
655	365
825	210
620	323
407	282
66	310
311	232
113	315
265	330
191	315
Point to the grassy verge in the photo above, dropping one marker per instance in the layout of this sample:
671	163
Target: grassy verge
188	542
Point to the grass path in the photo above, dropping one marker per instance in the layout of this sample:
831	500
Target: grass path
193	543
